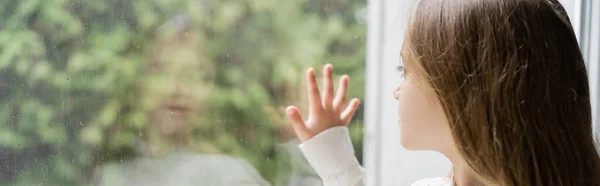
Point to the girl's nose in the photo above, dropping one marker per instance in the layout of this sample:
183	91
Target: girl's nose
182	90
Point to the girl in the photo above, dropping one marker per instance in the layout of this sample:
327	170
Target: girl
499	87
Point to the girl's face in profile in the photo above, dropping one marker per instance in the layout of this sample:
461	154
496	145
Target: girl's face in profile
176	87
423	124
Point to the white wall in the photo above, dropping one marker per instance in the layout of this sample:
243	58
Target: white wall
388	164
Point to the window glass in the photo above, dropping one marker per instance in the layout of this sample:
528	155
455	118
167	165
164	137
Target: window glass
166	92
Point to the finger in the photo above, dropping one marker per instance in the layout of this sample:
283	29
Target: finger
314	98
340	99
348	113
327	86
298	123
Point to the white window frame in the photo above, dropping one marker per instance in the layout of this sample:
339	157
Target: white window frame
387	163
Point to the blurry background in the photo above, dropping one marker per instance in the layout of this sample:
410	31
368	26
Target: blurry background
85	84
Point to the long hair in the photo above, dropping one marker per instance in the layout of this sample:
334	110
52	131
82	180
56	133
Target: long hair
512	81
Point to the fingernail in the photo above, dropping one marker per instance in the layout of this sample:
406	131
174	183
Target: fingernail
290	111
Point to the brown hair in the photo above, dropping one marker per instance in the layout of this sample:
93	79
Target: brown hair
512	81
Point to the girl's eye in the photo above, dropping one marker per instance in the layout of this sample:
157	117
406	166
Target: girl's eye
400	69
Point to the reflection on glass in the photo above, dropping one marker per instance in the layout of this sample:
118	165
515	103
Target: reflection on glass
174	89
178	92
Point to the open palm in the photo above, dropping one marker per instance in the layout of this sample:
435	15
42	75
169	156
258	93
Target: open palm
325	110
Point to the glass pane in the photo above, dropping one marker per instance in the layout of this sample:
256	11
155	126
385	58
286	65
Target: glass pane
166	92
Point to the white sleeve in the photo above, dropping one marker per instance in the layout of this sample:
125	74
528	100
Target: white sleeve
331	154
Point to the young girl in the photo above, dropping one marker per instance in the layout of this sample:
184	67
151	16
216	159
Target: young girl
499	87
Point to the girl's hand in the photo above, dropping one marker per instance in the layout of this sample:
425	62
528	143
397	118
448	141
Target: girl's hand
325	111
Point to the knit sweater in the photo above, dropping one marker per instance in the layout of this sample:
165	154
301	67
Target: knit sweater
331	154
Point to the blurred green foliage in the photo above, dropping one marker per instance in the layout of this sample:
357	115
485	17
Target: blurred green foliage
69	69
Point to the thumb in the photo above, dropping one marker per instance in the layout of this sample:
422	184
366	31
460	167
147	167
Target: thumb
295	117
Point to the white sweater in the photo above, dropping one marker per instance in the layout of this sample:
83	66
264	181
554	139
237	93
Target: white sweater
182	168
332	155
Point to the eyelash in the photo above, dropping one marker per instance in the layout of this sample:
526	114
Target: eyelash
400	69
